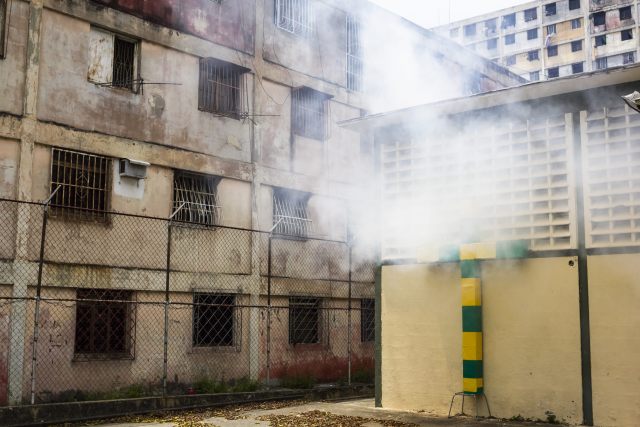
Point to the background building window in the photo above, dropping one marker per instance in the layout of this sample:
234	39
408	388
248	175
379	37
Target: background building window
470	30
552	51
510	60
83	181
309	113
576	46
532	34
533	55
601	63
367	320
454	32
577	68
553	72
576	23
492	44
104	324
628	58
509	39
534	76
599	18
214	320
601	40
221	88
550	9
625	13
509	21
574	4
551	29
290	216
3	29
304	320
294	16
626	35
354	55
195	195
531	14
490	27
114	60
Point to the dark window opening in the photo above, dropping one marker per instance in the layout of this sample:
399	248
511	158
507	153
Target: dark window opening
309	113
625	13
574	4
576	23
492	44
532	34
626	35
491	26
214	320
601	63
533	55
576	46
599	18
553	72
82	183
195	198
550	9
3	29
104	324
531	14
552	51
221	88
470	30
367	320
509	39
509	21
290	216
601	40
124	56
304	320
577	68
628	58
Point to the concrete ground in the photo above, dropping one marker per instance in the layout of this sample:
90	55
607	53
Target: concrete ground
360	413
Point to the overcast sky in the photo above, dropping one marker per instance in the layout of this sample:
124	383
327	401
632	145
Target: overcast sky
431	13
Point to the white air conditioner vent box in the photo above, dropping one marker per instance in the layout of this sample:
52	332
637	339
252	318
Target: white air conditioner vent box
130	168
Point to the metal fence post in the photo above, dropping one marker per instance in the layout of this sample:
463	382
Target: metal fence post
36	317
349	333
269	313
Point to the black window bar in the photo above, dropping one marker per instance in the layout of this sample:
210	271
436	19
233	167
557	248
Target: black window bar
222	88
309	113
290	217
124	66
304	320
214	320
195	199
83	181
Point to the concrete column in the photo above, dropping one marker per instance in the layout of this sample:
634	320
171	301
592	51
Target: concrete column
23	268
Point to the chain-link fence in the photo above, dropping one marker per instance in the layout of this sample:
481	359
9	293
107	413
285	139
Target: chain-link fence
123	306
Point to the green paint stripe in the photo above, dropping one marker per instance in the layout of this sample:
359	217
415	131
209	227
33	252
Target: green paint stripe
449	253
472	368
512	249
470	269
472	319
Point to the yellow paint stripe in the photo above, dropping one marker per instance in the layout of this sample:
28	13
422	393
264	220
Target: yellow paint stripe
472	345
467	252
471	292
471	385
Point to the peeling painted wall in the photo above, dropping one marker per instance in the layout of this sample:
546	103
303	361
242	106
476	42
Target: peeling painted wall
12	70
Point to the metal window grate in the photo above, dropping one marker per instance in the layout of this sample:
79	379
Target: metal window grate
290	213
214	320
354	55
221	88
3	29
304	320
105	324
195	199
124	56
294	16
367	320
309	113
84	185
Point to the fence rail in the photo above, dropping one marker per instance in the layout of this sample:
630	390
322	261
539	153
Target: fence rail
141	306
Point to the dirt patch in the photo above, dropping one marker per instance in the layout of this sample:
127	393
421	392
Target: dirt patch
326	419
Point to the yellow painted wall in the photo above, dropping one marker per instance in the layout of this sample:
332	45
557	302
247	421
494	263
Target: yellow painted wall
614	300
532	337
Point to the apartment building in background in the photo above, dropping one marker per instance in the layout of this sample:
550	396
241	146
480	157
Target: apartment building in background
542	40
223	117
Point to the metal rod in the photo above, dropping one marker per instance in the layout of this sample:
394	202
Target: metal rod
166	308
269	313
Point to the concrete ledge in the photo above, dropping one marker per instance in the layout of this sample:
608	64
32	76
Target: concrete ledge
28	415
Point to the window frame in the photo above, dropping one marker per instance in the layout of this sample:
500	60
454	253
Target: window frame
602	38
536	74
577	46
629	34
576	23
466	30
534	32
600	17
203	187
354	68
210	90
122	299
552	29
626	56
572	4
301	25
550	9
602	61
573	68
304	306
367	320
134	84
533	55
552	51
530	14
555	70
509	21
510	60
492	44
290	213
225	304
625	10
304	112
509	39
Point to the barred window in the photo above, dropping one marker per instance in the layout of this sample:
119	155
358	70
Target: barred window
290	213
309	113
531	14
304	320
124	56
221	88
367	320
294	16
354	55
3	29
83	181
113	60
214	320
105	324
195	198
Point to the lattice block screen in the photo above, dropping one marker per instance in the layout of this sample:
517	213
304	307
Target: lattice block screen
511	181
611	147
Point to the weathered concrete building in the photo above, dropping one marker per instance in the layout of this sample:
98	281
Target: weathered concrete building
540	40
223	117
546	333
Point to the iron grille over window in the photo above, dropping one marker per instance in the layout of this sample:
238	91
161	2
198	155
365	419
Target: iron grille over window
104	324
294	16
367	320
3	29
221	88
290	213
84	185
304	320
214	320
309	113
354	55
124	55
195	198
